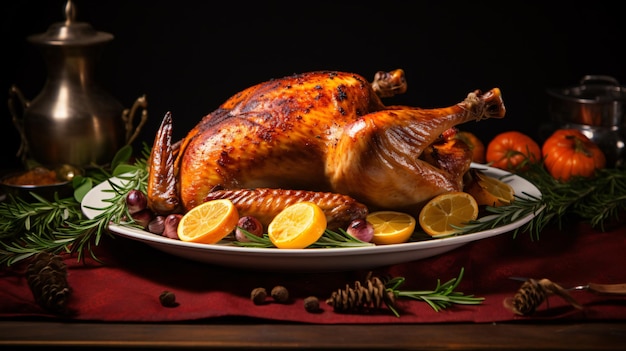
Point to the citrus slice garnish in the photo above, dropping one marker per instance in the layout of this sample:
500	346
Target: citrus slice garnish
446	213
297	226
208	222
391	227
488	190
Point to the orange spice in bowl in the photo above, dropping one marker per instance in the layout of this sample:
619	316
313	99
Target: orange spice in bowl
41	181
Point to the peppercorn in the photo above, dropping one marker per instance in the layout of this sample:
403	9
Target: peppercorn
312	304
168	299
280	294
258	295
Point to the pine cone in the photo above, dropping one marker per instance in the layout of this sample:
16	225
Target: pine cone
533	293
364	297
529	296
47	279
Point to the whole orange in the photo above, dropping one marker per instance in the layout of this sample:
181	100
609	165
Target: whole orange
475	144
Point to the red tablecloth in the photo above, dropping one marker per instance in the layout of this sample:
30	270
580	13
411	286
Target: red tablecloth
127	286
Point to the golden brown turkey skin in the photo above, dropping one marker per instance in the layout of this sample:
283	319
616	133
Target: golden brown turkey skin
318	131
379	159
276	135
340	210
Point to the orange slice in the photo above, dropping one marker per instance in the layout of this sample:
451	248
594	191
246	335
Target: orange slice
488	190
209	222
297	226
391	227
444	212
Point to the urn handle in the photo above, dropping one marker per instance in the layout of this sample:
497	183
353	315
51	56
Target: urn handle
611	81
128	116
16	97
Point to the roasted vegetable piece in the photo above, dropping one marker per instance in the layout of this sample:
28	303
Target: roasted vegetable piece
250	225
136	201
361	229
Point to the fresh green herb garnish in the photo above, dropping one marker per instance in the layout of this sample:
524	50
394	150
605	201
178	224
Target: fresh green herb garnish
330	239
60	226
440	298
595	200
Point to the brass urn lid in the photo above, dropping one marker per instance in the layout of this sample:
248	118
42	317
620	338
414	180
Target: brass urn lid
70	32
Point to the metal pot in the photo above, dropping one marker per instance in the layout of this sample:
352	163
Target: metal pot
597	108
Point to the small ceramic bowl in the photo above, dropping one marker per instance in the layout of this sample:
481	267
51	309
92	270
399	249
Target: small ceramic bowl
40	181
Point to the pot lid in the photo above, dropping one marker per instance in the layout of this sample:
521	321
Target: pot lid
70	32
593	89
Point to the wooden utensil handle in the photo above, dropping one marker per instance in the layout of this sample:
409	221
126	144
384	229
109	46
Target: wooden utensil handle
615	289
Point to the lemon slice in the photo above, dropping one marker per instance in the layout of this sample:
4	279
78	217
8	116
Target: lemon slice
297	226
488	190
391	227
209	222
445	213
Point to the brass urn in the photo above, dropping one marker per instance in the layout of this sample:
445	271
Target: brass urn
72	120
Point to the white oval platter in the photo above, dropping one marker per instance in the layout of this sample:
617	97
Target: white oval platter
310	260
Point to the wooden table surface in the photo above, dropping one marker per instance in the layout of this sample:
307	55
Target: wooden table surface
279	336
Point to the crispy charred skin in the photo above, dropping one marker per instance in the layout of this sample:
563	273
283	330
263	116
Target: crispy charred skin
320	132
265	204
162	193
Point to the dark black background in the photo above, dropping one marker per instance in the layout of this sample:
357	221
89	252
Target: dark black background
189	56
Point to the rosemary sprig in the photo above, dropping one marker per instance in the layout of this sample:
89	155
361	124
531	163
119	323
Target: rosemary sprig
338	239
254	241
60	226
443	296
21	214
330	239
503	215
28	228
595	200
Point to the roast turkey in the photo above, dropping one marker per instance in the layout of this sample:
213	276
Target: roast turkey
320	136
